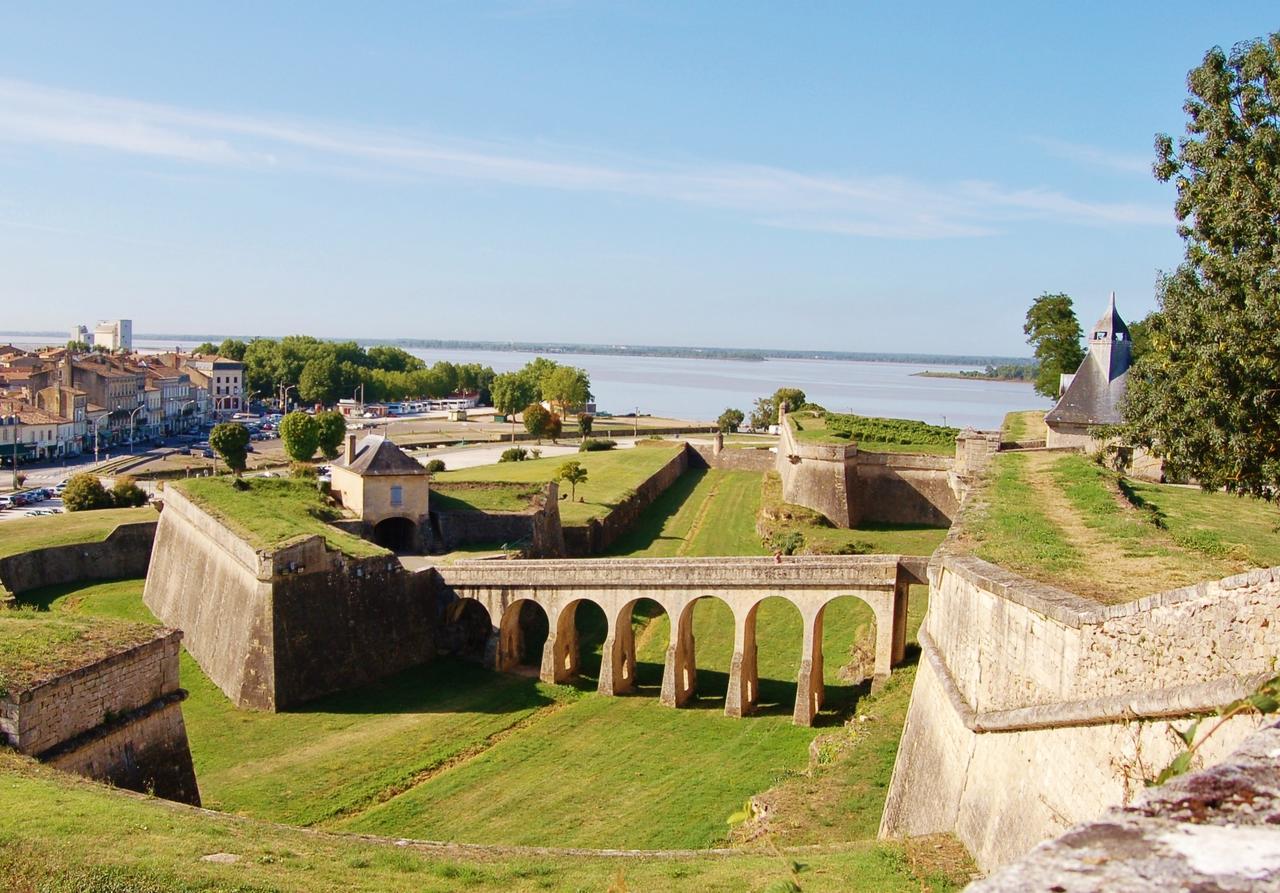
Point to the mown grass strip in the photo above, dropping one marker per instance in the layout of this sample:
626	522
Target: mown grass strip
26	534
1011	530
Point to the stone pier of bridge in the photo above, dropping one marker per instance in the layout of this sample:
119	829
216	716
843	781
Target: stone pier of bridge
676	585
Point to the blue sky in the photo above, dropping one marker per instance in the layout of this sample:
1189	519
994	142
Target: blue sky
843	176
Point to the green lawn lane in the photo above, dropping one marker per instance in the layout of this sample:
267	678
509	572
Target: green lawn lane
612	476
25	534
1214	525
705	512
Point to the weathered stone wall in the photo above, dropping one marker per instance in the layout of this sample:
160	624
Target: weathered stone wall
823	477
537	531
122	555
906	489
1213	830
1034	709
600	533
205	581
144	751
733	458
117	719
276	629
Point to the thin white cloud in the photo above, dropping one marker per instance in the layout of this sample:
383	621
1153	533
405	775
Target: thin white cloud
869	207
1095	156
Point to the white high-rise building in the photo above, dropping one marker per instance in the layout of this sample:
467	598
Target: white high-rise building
81	334
114	334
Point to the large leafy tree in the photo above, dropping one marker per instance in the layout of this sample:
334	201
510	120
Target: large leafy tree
300	435
331	427
1205	395
730	420
231	441
566	386
1054	333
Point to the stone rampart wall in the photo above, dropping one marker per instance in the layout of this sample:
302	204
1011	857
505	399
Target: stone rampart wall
600	533
123	554
1034	709
118	719
734	458
537	531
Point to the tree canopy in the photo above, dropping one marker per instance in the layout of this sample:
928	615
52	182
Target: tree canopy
1054	332
730	420
230	440
572	473
537	420
301	435
331	427
1205	394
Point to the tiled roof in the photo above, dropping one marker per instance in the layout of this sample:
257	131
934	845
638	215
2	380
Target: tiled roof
377	455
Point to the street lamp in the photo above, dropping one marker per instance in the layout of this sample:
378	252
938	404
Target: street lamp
136	410
284	396
14	421
96	423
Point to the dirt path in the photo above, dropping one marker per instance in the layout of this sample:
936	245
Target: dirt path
1113	572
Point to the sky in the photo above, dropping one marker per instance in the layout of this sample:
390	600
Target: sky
837	176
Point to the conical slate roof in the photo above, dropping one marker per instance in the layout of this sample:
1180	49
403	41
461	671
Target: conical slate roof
1098	387
377	455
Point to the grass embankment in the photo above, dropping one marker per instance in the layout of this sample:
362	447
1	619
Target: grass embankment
478	496
778	520
1023	425
108	840
26	534
705	512
35	645
1067	521
273	512
450	751
612	476
874	434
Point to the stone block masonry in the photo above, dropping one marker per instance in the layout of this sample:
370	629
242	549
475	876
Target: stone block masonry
124	554
599	534
118	719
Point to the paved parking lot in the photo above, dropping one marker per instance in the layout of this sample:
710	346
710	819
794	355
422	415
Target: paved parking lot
35	510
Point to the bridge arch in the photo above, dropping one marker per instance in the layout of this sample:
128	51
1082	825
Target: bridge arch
680	672
467	629
522	631
618	661
772	686
562	656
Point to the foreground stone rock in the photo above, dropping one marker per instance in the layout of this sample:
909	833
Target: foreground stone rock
1215	830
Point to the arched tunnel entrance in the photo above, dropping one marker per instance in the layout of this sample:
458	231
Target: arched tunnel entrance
396	534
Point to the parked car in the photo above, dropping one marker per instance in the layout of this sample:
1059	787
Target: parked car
6	502
207	453
184	450
57	490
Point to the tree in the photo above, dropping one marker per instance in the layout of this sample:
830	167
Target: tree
511	391
585	421
730	420
127	494
573	473
207	348
794	398
435	466
1054	332
763	414
232	349
537	420
301	435
84	492
555	426
331	428
1204	395
230	440
566	386
318	381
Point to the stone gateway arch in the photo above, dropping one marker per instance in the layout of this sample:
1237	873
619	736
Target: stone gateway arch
676	584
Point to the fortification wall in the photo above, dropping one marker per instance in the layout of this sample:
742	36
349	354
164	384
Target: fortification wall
205	581
600	533
1034	709
118	719
822	477
906	489
122	555
733	458
537	530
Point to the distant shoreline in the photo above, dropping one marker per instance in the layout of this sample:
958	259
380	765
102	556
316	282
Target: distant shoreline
636	350
977	376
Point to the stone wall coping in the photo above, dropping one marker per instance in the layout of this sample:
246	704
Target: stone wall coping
1073	610
921	461
112	725
1163	703
163	636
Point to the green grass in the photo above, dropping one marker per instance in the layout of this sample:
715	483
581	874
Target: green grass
1007	526
35	645
109	841
273	512
612	477
26	534
1214	525
1024	424
874	434
705	512
482	497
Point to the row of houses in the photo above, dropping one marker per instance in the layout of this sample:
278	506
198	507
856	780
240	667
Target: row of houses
56	403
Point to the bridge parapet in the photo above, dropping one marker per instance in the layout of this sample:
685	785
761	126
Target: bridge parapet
676	584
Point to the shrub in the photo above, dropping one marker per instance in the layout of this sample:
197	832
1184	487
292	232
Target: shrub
231	441
304	471
788	542
596	444
435	466
301	435
514	454
537	420
127	494
585	421
331	428
84	492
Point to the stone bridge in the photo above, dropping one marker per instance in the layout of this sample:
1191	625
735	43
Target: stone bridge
676	584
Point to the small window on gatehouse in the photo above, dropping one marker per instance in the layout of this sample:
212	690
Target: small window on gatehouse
397	495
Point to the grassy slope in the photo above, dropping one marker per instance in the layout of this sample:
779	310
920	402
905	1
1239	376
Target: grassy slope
35	646
611	477
896	435
705	512
112	841
1066	521
60	530
273	512
484	497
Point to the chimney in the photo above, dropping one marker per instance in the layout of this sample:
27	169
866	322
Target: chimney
351	449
